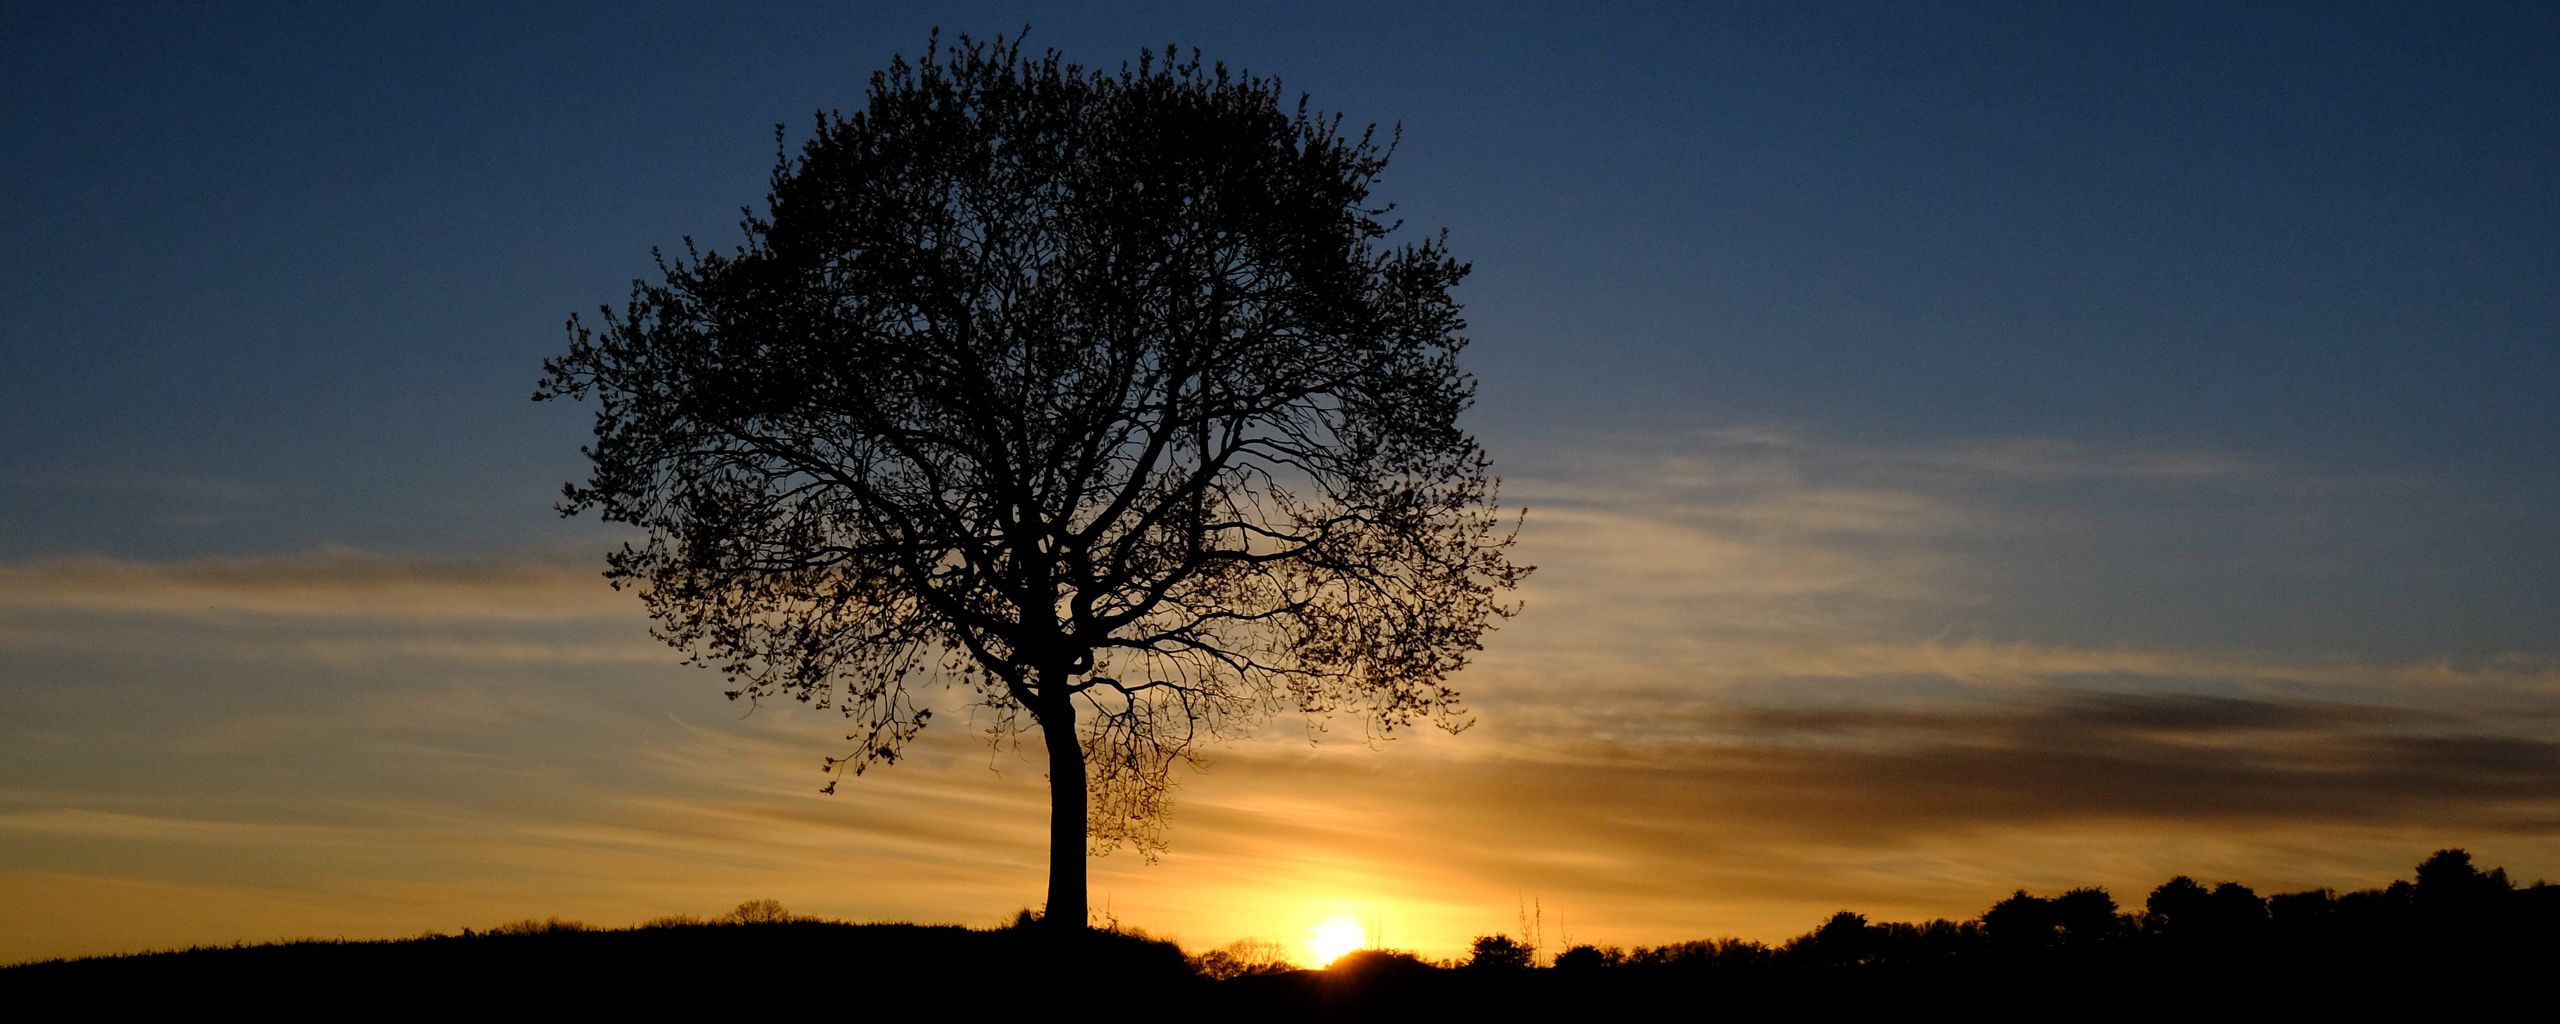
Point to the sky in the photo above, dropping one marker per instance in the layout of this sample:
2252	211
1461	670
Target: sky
1965	447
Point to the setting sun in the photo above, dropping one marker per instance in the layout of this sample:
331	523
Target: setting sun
1334	938
2021	502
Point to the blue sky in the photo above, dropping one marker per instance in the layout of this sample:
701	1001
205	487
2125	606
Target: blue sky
1998	363
2314	233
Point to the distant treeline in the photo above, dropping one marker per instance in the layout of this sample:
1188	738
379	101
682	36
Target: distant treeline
2451	938
2450	906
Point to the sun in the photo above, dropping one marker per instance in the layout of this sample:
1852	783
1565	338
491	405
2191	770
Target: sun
1335	937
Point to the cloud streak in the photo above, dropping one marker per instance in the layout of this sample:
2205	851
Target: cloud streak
331	584
1759	678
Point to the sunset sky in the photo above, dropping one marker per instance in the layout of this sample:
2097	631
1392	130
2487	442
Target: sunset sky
1965	446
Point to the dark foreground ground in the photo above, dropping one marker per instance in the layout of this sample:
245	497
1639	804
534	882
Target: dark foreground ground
909	971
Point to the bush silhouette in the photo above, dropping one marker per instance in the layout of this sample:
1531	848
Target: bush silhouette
1500	952
1587	957
761	911
1242	957
543	926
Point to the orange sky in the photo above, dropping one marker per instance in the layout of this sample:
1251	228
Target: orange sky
1966	448
1744	694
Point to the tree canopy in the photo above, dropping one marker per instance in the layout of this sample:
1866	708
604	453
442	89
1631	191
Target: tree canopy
1100	394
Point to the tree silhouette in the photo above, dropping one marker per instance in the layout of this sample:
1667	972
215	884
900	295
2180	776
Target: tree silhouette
2087	915
2302	913
2022	921
1845	938
2448	882
2179	907
2182	909
2237	910
757	911
1101	393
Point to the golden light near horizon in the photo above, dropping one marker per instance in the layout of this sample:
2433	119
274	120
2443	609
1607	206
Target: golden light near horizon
1903	587
1335	937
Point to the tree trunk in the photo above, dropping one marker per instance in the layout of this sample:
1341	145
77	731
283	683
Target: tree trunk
1067	808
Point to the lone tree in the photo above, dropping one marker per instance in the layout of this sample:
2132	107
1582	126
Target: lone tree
1098	394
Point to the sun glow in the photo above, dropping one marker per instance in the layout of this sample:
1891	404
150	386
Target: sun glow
1334	938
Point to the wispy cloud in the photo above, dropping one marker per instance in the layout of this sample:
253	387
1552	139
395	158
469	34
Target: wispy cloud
2056	459
2018	664
1686	542
1887	777
178	500
1717	453
332	584
1751	819
1761	676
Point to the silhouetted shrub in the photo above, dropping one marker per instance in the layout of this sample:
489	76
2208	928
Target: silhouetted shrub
1587	957
761	911
530	926
1500	952
1368	963
1243	957
1717	954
